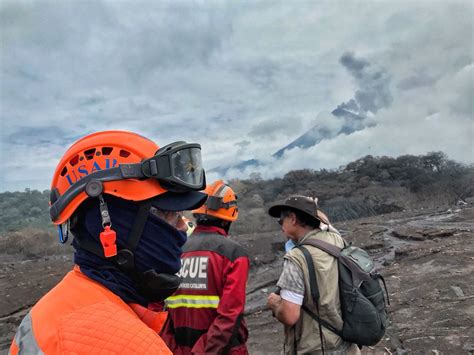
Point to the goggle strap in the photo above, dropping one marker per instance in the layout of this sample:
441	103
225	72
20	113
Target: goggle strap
214	203
229	204
131	171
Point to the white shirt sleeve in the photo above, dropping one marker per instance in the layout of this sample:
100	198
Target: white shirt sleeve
291	283
292	297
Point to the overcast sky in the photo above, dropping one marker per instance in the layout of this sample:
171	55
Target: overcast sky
242	78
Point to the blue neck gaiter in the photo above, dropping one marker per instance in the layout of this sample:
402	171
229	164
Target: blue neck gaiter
290	244
159	247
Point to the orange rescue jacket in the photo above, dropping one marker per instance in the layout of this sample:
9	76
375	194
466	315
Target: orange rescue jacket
82	316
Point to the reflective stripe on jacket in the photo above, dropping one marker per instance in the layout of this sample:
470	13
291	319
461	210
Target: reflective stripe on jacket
206	313
81	316
192	301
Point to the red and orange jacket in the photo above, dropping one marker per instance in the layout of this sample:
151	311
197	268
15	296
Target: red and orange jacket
205	315
80	316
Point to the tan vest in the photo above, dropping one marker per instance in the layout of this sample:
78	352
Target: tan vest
306	330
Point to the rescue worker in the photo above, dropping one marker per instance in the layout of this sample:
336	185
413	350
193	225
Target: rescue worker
206	313
301	220
120	196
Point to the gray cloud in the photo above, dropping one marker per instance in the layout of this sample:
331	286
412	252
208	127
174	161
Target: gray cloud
212	72
373	85
174	37
40	136
416	81
243	144
354	65
271	128
261	73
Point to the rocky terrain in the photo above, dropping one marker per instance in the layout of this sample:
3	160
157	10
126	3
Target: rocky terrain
426	257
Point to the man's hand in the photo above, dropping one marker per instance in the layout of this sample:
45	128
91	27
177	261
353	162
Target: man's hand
286	312
273	301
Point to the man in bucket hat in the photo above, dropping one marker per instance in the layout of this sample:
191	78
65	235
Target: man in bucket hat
301	220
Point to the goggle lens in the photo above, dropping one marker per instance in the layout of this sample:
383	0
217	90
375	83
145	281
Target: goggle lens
187	166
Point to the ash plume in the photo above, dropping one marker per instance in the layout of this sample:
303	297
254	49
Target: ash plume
373	85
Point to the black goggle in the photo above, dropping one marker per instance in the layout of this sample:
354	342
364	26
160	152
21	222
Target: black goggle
176	166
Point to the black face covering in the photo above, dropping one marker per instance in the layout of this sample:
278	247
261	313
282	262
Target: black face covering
157	287
155	260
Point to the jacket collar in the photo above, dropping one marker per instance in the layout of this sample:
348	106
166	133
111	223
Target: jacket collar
309	235
209	229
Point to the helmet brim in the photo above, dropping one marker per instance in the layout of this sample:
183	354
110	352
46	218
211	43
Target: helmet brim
176	201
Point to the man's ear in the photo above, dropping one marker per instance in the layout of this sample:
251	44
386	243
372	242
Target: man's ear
293	218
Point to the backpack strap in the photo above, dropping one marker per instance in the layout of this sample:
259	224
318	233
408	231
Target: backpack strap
314	290
385	287
315	295
331	249
358	274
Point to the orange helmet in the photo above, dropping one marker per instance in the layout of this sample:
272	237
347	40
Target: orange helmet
123	164
221	203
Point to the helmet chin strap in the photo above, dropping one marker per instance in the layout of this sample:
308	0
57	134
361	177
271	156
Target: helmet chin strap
152	285
125	258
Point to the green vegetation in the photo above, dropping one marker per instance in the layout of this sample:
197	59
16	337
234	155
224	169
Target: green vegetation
367	186
19	210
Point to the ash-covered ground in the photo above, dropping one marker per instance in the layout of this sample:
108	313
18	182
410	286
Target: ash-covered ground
426	257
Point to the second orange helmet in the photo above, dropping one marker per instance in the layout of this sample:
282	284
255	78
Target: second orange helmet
221	203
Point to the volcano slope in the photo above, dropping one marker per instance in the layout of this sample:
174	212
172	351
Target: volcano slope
426	257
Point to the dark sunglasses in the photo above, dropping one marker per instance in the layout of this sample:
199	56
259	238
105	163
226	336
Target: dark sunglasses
282	217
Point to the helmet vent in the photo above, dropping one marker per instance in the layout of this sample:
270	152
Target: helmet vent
64	171
74	160
124	153
107	150
89	153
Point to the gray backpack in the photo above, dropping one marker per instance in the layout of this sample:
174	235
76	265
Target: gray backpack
362	297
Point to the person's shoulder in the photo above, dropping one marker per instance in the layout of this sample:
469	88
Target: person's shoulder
334	238
328	237
92	324
234	249
294	257
108	327
216	243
